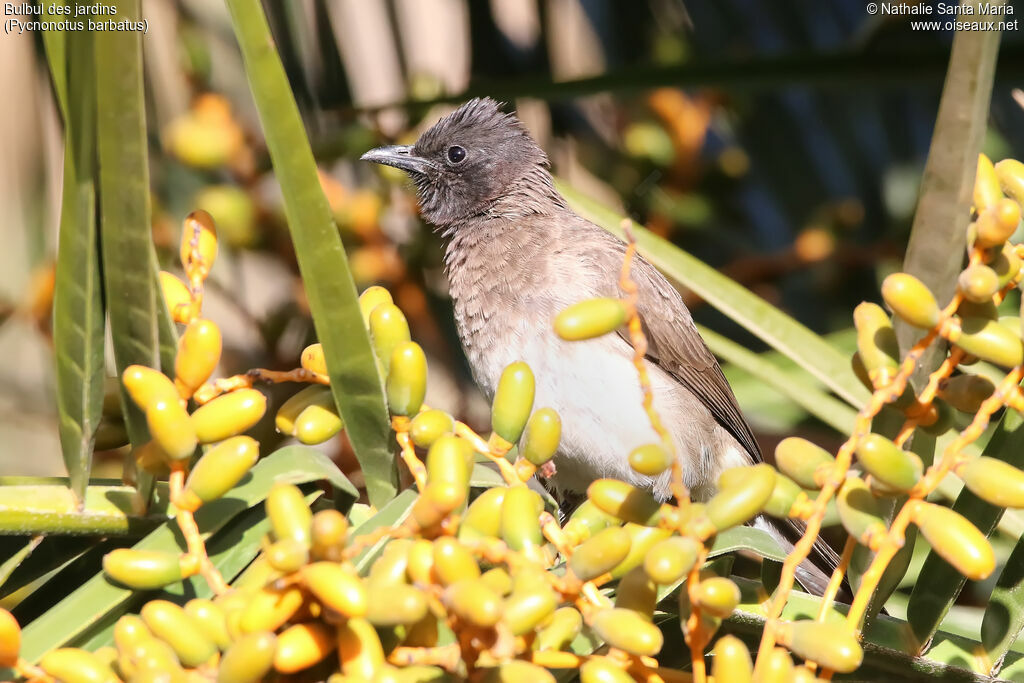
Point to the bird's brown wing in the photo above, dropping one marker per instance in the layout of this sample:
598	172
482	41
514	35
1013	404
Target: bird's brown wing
676	346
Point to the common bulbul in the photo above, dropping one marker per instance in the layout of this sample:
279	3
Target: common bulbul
516	256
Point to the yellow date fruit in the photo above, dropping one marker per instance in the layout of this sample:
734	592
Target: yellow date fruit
637	593
249	659
388	329
603	671
393	604
289	412
742	495
978	283
198	243
228	415
624	501
832	644
718	596
211	619
72	665
483	517
329	533
146	386
406	384
335	587
176	296
312	359
591	318
888	463
876	339
543	433
359	649
474	602
651	459
990	340
172	429
957	540
199	351
859	511
966	392
731	661
513	401
557	634
671	559
627	630
429	425
219	470
799	459
173	625
453	562
528	608
518	671
303	645
371	298
10	639
268	608
994	481
520	519
600	554
289	514
911	300
147	569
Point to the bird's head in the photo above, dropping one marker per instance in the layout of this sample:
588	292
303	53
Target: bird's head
467	161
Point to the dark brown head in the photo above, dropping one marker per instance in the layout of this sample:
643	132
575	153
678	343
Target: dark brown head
469	162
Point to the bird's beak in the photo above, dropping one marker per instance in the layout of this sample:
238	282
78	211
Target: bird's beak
399	156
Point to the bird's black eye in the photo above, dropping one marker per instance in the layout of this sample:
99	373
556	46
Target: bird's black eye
456	154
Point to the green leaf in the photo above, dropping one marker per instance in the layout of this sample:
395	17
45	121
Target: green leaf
55	43
104	510
768	323
938	583
78	322
231	550
94	601
818	403
938	236
15	560
322	262
1004	614
129	272
756	541
392	514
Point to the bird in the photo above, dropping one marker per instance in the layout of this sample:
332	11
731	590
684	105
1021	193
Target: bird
516	255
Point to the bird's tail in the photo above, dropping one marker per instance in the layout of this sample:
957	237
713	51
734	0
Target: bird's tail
814	572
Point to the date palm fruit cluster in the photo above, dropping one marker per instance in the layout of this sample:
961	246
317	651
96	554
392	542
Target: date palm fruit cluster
487	584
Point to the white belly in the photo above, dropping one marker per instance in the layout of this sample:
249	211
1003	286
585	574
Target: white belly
594	387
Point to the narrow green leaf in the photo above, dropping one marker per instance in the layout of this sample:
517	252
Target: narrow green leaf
12	562
55	510
47	558
1004	614
818	403
90	604
392	514
757	541
78	302
231	550
167	334
129	273
329	286
55	43
768	323
938	583
939	234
